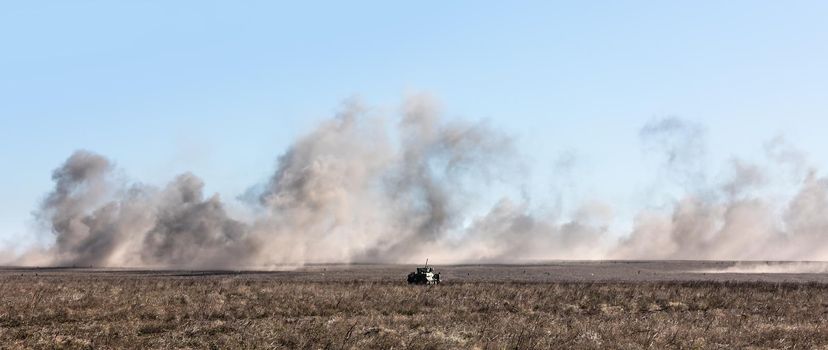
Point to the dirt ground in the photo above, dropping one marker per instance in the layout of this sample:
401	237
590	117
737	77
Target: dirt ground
548	272
633	305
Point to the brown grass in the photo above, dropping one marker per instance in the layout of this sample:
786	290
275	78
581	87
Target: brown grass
133	311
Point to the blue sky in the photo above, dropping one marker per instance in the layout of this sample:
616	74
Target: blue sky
222	88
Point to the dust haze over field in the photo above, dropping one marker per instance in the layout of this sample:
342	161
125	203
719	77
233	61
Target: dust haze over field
367	188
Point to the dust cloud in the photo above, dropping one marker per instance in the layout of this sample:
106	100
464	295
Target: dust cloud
368	188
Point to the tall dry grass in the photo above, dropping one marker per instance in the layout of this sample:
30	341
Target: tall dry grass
102	311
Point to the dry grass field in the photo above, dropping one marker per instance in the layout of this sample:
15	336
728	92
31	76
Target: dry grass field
353	307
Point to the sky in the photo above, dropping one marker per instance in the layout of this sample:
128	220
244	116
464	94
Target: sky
222	88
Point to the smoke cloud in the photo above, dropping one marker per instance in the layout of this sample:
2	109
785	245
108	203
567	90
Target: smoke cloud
366	188
734	219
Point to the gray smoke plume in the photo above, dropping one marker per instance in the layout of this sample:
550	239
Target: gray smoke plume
98	221
86	223
365	188
347	191
736	219
191	230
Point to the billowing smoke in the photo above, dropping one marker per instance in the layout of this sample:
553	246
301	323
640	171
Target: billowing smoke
738	218
99	221
351	190
366	188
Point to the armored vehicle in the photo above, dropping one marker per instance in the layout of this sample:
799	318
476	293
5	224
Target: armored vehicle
424	275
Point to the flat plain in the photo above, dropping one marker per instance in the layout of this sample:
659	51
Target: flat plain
588	305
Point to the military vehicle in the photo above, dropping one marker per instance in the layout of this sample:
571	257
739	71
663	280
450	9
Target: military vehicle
424	275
